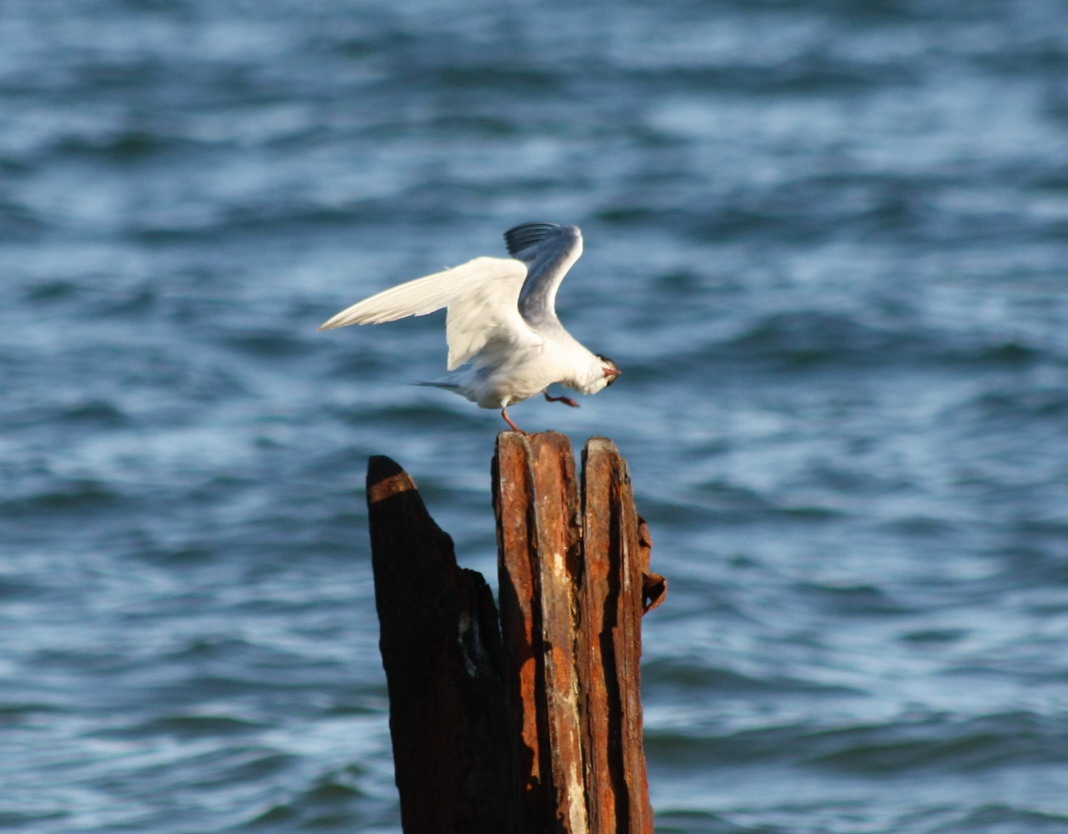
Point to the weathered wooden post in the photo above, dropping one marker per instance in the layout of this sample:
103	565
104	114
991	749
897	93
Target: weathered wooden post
540	731
440	647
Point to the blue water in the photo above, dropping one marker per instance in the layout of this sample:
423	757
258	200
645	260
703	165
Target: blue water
826	242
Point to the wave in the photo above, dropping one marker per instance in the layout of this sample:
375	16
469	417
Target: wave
934	744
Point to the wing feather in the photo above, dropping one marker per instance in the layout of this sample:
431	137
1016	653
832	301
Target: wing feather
481	296
549	250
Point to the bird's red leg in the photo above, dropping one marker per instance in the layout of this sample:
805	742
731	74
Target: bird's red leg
564	400
508	420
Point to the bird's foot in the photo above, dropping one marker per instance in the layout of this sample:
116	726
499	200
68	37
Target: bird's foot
508	420
564	400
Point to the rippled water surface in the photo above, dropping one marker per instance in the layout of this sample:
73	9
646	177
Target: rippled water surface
826	242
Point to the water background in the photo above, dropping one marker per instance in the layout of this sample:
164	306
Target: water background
827	244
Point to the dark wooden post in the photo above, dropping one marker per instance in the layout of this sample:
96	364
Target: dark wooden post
441	651
541	732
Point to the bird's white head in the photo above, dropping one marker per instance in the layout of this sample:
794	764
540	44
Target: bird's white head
600	373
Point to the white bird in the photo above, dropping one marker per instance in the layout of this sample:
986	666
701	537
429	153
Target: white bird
501	324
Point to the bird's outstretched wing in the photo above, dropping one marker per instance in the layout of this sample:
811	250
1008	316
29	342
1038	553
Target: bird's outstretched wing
548	250
481	296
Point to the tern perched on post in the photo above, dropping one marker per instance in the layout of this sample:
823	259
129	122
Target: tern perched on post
501	324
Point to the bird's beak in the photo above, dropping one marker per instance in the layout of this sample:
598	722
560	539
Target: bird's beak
612	372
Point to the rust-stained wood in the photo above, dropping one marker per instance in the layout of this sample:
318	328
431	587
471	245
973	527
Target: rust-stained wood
535	728
536	498
441	652
612	606
654	585
557	562
574	583
521	623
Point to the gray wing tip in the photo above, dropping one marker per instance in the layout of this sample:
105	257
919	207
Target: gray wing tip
527	235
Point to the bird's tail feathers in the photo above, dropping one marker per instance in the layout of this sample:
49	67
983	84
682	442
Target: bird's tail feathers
448	384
